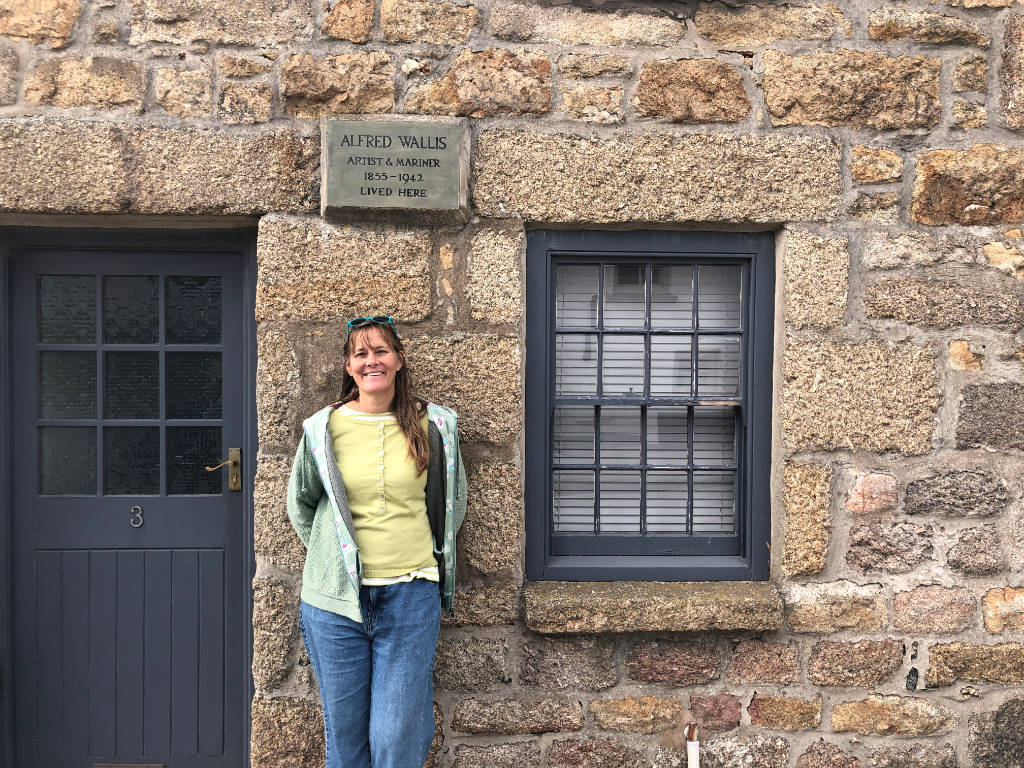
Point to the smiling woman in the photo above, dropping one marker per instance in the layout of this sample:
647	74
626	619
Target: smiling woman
377	495
372	364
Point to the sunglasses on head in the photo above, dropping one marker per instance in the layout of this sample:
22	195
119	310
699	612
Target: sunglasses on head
362	322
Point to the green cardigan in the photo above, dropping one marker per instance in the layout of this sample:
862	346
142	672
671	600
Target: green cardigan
319	511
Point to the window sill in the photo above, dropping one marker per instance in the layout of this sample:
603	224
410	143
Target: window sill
564	607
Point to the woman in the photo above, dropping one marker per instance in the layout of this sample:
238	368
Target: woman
377	494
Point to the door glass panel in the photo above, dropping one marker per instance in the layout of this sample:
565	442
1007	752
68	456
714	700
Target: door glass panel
131	460
193	385
67	309
193	310
67	385
131	385
67	460
131	309
189	451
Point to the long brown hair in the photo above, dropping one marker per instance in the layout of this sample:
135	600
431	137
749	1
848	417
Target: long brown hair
408	408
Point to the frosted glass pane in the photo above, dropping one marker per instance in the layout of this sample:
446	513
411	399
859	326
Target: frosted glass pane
666	436
67	309
193	310
67	385
131	460
625	302
718	367
67	460
666	502
131	385
576	296
573	501
714	436
719	299
714	502
670	366
131	306
620	502
623	367
576	364
189	451
620	435
573	435
193	385
671	297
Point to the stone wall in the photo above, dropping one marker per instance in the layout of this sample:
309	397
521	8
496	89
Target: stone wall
882	142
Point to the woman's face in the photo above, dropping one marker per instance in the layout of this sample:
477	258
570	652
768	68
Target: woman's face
372	363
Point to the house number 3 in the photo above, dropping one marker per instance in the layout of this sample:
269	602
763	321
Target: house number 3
136	520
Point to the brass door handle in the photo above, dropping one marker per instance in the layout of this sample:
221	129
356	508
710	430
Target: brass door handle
235	472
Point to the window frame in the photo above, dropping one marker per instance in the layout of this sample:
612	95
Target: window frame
756	251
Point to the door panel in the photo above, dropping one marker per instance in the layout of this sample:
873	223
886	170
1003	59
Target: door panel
129	556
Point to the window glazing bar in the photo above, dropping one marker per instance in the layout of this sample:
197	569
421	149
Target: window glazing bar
597	473
689	470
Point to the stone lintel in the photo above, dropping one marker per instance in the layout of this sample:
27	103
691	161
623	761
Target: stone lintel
56	165
557	607
655	177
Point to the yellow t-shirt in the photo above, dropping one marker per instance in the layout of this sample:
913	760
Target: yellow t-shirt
387	498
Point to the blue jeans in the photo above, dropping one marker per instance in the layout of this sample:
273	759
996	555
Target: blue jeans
377	678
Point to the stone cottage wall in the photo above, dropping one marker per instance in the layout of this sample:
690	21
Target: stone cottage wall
881	140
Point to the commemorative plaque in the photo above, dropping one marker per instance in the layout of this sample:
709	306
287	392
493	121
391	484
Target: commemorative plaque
412	165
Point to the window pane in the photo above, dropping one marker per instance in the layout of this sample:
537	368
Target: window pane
576	296
623	368
576	364
672	297
620	435
67	460
719	300
67	309
573	501
131	304
193	385
714	436
131	460
620	502
666	436
67	385
714	502
718	367
670	366
625	301
666	502
189	451
131	385
193	308
573	435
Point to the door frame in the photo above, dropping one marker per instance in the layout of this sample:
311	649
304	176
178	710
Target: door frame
14	238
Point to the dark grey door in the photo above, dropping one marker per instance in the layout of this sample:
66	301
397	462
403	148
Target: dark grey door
129	576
